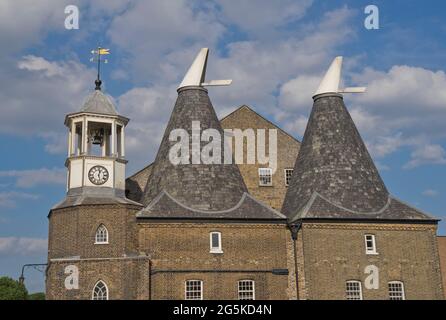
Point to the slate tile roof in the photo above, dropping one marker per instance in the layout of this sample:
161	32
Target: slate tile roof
166	206
198	186
98	102
334	175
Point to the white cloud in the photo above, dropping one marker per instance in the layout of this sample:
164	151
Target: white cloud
297	126
151	30
32	178
23	245
262	15
430	193
426	154
149	110
36	95
403	107
23	23
9	199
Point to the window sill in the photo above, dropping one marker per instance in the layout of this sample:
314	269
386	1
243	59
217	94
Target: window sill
372	253
101	243
216	251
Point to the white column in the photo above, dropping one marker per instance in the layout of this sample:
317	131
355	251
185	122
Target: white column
85	136
69	141
104	144
122	142
71	150
113	139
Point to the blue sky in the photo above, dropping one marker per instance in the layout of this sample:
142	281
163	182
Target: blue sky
276	53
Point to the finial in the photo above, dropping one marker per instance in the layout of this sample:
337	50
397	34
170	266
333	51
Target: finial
97	58
196	74
98	83
331	80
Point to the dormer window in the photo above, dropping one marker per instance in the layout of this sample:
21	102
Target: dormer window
215	242
101	236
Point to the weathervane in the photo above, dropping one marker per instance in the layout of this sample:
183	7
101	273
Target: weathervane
331	80
195	76
97	58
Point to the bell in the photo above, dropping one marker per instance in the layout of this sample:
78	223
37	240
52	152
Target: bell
98	137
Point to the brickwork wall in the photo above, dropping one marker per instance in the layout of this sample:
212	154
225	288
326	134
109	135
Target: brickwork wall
442	253
185	247
335	253
126	278
72	231
135	184
287	150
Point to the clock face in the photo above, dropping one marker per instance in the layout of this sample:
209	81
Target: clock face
98	175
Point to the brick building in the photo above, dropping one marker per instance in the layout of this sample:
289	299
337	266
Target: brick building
320	227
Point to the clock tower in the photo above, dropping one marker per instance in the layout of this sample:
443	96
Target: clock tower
96	150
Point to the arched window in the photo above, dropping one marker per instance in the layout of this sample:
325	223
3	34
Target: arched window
101	236
100	291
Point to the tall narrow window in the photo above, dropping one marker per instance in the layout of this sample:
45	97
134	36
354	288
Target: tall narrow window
100	291
246	290
353	290
370	244
194	290
101	236
215	242
265	177
396	290
288	175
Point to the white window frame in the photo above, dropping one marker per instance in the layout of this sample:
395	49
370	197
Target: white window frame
371	250
185	289
96	235
215	249
403	293
253	289
285	172
347	291
94	287
270	172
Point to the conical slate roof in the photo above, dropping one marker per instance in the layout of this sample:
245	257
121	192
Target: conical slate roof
210	187
98	102
334	175
334	162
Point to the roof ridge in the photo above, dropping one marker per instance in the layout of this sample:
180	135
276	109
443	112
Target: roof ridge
140	170
264	118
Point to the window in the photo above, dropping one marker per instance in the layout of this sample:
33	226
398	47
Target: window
246	290
215	242
265	176
194	290
288	175
396	290
353	290
101	236
100	291
370	244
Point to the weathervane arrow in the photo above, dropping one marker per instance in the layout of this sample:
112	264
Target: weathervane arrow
97	53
